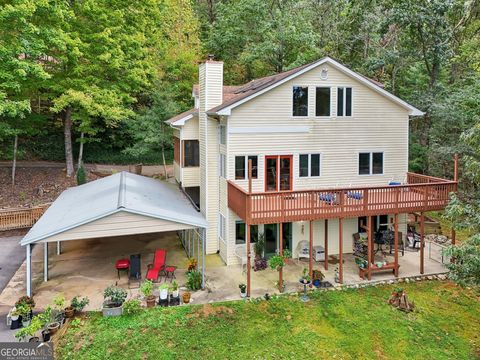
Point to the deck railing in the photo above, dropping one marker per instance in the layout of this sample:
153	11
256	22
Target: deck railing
11	219
422	193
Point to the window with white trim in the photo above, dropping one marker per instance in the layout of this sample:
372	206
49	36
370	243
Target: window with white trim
370	163
241	167
344	101
221	226
322	101
300	101
222	134
309	165
222	164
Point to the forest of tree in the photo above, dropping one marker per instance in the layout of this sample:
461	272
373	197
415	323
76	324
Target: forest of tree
107	73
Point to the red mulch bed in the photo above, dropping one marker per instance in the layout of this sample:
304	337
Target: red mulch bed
33	186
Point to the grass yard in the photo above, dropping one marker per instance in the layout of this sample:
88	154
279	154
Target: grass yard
349	324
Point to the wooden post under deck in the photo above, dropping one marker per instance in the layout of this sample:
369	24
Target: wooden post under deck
280	244
340	250
369	247
247	231
422	243
326	244
395	244
310	264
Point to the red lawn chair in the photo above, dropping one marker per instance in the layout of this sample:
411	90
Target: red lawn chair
157	266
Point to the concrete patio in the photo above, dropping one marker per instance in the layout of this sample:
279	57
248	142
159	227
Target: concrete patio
86	268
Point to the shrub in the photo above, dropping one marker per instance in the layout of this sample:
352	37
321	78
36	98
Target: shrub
194	280
131	307
260	263
78	304
114	295
81	176
465	269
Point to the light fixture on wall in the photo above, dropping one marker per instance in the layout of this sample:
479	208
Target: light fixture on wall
303	228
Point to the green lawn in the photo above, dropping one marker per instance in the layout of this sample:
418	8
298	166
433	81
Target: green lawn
348	324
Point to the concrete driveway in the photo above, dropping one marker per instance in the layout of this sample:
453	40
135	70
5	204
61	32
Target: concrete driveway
12	256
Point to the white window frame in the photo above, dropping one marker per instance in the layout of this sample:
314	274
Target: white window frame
331	98
245	176
370	165
221	227
310	165
308	102
222	129
222	166
344	109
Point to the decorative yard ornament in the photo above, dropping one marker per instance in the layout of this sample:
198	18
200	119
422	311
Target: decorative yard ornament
399	299
324	74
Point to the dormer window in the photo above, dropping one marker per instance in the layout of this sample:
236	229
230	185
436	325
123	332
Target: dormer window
300	101
344	101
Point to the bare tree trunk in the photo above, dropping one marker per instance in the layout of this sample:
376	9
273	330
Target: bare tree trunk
14	165
67	133
164	162
80	151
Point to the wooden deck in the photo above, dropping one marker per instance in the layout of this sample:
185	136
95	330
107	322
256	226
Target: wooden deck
421	193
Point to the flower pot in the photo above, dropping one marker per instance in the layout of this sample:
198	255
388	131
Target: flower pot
25	322
112	310
14	317
34	339
46	335
243	294
150	301
69	312
186	298
163	294
53	327
175	293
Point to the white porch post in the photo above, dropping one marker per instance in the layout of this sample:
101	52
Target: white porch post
45	261
59	248
28	249
204	232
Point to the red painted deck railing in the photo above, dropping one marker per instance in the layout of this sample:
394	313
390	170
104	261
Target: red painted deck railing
422	193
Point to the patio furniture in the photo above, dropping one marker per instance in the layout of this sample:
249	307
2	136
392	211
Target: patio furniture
135	274
363	271
241	253
158	265
303	250
170	272
329	198
319	253
122	265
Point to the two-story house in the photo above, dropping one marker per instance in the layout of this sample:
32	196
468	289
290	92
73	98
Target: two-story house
328	150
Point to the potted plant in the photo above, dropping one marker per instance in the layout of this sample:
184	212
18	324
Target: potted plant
26	300
194	280
58	309
243	290
174	289
192	264
317	276
163	291
276	262
14	315
114	297
186	297
287	254
24	311
146	288
30	330
50	317
305	279
79	304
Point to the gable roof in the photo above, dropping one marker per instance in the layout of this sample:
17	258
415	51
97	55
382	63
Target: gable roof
180	119
119	192
259	86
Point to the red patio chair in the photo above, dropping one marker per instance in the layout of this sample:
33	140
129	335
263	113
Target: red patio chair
157	266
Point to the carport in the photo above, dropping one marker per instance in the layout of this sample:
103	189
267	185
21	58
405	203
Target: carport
118	205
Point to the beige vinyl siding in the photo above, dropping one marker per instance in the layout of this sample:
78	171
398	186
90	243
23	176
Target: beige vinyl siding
190	129
211	84
377	125
190	176
121	223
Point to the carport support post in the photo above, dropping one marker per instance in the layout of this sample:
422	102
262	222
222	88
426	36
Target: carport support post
59	248
28	249
45	261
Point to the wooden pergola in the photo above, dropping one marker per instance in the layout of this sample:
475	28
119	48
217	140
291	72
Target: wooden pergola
421	193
